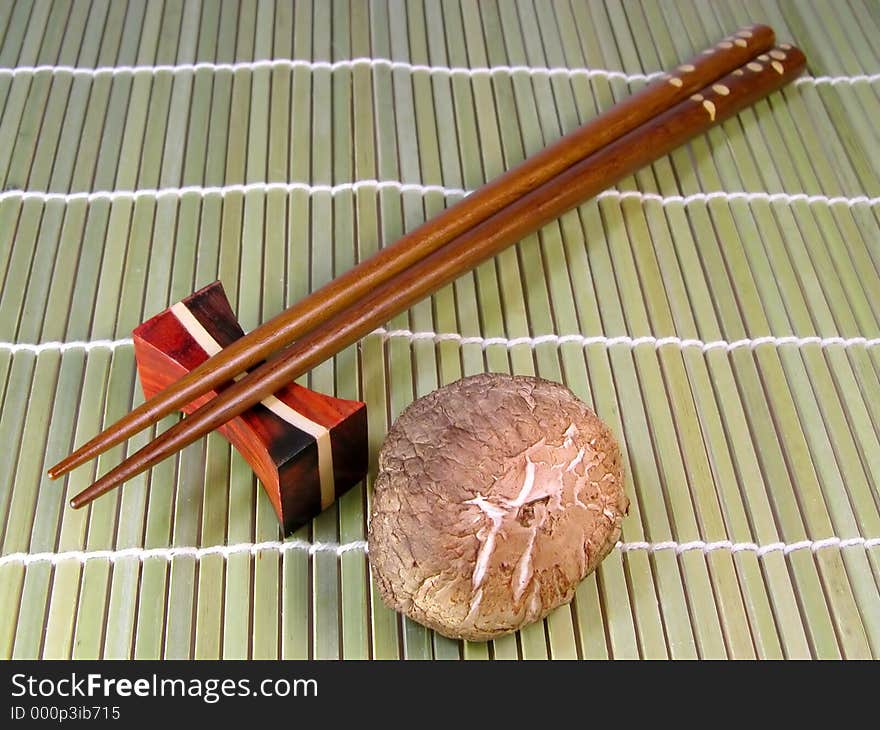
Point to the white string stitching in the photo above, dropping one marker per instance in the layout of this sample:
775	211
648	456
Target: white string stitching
533	342
36	349
627	341
287	187
293	64
223	190
247	548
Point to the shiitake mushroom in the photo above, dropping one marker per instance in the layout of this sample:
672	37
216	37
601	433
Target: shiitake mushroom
495	496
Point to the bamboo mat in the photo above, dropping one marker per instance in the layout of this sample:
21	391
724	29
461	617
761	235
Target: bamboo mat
721	310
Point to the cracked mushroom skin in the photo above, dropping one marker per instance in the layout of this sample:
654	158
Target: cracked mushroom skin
496	495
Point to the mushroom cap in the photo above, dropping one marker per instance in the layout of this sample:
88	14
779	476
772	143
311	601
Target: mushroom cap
495	496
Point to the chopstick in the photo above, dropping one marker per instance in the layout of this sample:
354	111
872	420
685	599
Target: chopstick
703	110
359	281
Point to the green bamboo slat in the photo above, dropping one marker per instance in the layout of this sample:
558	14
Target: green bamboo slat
76	37
29	631
186	249
178	631
325	528
706	502
77	166
107	22
383	623
12	425
15	165
123	626
15	33
10	122
748	513
63	608
119	269
18	267
677	292
255	265
21	525
388	641
586	254
242	484
10	211
868	24
12	577
589	622
200	120
211	568
33	302
53	33
33	35
351	567
295	603
467	165
839	502
770	365
753	396
7	13
845	290
237	593
669	459
91	617
66	257
785	283
414	371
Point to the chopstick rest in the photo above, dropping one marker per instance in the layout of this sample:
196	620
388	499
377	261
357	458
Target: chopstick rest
306	448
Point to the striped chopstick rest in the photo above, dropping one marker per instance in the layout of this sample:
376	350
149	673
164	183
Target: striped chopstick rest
307	448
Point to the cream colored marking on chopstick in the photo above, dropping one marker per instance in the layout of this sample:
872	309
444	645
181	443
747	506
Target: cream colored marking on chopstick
720	89
763	57
786	46
675	81
778	67
321	435
312	548
745	33
697	97
686	67
709	107
741	43
778	55
708	51
725	45
754	66
738	72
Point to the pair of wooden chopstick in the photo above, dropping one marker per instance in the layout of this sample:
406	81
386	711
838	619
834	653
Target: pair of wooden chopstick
683	103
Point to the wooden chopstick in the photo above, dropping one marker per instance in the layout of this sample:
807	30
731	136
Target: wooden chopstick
348	288
653	139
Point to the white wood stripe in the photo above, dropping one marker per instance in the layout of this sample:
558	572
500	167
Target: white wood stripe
321	434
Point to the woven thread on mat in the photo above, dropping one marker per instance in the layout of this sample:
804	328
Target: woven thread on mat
361	545
387	64
484	342
288	187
